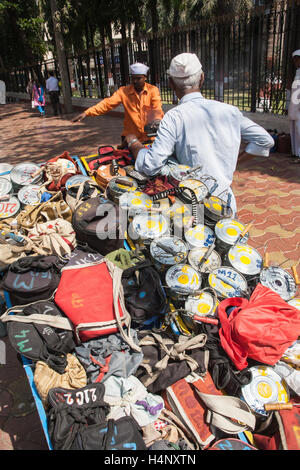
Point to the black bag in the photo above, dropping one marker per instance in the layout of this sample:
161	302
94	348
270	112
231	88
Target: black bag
167	359
121	434
143	292
70	411
32	278
96	223
40	342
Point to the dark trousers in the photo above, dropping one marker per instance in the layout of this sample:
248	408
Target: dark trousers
54	98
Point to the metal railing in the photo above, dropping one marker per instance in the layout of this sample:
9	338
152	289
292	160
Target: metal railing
246	60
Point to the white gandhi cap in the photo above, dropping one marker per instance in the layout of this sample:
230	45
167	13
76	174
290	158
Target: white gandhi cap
297	52
139	69
184	65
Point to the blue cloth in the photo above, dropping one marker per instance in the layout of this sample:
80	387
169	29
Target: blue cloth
208	133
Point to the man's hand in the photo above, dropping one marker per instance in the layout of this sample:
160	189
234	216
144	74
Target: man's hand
135	146
79	118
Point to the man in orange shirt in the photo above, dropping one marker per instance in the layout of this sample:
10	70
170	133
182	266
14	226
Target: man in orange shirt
141	102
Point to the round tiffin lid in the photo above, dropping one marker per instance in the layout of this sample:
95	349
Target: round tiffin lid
195	256
5	168
227	282
9	208
161	250
279	280
30	195
135	202
203	304
149	226
266	386
245	259
200	236
215	208
5	186
21	174
76	180
199	188
228	231
183	279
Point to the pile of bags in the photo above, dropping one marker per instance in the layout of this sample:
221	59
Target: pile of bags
150	322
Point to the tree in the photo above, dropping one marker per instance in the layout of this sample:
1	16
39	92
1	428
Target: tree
60	48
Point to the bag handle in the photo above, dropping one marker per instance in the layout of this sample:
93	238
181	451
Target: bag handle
51	320
230	414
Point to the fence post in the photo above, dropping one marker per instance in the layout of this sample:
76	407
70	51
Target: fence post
254	61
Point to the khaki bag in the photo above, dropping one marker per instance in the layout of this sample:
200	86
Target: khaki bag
52	237
54	208
46	378
10	253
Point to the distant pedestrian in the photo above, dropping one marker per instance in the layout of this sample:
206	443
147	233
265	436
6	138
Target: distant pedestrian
38	97
2	92
52	87
294	110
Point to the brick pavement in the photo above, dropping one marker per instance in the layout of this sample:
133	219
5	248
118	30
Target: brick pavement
267	192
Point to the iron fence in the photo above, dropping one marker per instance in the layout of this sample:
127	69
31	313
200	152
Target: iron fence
246	60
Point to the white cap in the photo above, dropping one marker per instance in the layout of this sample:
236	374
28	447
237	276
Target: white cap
297	52
139	69
184	65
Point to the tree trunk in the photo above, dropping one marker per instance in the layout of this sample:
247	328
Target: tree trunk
61	55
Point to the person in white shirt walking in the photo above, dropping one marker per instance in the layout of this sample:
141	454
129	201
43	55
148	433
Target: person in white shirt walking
294	110
52	87
200	131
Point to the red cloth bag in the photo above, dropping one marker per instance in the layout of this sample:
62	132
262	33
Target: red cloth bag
261	328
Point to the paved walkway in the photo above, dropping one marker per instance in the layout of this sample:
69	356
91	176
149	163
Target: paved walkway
267	192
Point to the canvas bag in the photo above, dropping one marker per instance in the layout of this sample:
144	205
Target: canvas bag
10	253
36	340
122	434
143	292
92	298
96	222
53	237
54	208
32	278
261	328
71	410
202	408
102	167
46	378
167	360
57	171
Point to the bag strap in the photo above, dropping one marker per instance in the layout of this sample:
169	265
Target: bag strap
51	320
118	296
176	351
230	414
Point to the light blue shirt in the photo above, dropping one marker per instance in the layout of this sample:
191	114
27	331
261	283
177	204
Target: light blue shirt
208	133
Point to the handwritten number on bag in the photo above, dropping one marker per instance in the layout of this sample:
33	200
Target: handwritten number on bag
21	346
17	284
82	397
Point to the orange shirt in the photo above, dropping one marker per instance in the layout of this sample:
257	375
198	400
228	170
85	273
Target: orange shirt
139	110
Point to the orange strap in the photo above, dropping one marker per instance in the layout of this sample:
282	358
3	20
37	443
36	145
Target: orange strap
103	368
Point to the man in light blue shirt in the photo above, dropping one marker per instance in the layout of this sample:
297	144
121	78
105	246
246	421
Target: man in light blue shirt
200	131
